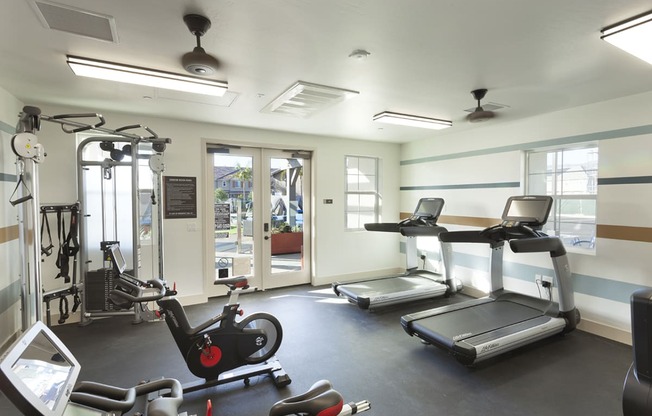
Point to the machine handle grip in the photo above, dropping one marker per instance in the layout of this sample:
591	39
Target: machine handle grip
465	237
156	283
539	245
104	397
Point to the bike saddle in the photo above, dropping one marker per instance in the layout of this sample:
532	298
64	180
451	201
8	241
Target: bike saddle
233	282
320	400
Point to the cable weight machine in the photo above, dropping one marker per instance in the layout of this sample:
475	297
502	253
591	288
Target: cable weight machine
29	153
109	185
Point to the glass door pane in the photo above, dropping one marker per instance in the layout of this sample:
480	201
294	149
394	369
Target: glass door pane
287	239
233	186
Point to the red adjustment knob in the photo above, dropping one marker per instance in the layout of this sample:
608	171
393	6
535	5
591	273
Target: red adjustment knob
240	312
158	314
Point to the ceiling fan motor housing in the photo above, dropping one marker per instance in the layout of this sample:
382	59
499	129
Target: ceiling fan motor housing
198	62
479	115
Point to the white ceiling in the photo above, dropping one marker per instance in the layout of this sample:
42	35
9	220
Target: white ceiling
426	57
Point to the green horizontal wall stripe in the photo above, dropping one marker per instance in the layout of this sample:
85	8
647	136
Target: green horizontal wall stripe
598	287
9	296
625	180
589	137
462	186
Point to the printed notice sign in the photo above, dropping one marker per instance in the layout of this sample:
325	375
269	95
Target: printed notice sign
222	220
180	196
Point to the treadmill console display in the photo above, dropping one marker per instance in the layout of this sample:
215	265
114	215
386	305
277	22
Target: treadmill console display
38	372
429	208
530	210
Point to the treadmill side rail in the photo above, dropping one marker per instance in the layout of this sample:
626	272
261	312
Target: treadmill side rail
509	338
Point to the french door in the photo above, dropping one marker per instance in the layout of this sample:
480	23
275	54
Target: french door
260	202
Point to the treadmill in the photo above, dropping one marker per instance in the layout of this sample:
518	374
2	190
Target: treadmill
479	329
412	285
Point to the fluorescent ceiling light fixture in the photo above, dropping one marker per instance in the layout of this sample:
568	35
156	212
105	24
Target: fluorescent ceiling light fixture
632	36
412	121
85	67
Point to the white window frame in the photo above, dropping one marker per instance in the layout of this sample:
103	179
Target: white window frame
580	242
352	188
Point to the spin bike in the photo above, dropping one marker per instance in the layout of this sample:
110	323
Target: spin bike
223	344
243	348
319	400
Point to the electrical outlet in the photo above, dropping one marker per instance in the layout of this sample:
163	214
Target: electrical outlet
547	279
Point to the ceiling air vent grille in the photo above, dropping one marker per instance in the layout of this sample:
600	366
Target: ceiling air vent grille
304	99
76	21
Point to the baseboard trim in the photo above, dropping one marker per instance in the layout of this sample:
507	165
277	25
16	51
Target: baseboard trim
605	331
352	277
5	346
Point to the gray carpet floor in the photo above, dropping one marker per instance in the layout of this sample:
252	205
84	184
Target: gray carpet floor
366	355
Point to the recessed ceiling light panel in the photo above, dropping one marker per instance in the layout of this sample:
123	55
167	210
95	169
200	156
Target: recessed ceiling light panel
144	76
633	36
412	121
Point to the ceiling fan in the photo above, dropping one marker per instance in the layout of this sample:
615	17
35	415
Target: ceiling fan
480	114
198	62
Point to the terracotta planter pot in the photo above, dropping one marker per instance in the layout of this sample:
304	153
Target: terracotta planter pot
287	243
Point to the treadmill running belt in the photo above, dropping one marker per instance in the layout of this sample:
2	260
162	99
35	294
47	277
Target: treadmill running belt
448	328
389	285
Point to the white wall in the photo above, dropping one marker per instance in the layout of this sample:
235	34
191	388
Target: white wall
10	321
338	254
491	153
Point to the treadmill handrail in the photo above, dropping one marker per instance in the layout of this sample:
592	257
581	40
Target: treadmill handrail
388	227
550	244
422	231
465	237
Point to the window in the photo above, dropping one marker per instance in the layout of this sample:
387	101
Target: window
361	191
570	176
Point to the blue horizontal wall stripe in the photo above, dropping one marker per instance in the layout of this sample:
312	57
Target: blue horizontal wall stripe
589	137
6	177
625	180
598	287
462	186
7	128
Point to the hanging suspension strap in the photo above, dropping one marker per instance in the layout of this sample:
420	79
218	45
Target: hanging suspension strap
71	246
62	259
45	250
73	249
63	310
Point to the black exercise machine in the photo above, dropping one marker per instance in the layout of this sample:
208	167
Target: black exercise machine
482	328
219	350
38	374
637	391
412	285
